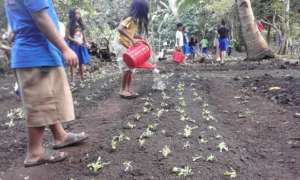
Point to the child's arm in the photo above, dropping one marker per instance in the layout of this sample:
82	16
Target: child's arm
5	48
47	27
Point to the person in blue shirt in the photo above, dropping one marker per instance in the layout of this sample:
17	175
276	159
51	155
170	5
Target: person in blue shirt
37	57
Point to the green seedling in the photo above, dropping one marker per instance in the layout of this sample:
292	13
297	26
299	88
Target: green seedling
14	115
182	172
164	105
231	173
211	158
160	112
127	166
186	145
131	125
166	151
212	128
118	139
97	166
203	141
180	110
219	136
188	131
195	94
196	158
222	146
137	117
164	96
142	142
147	134
152	127
180	87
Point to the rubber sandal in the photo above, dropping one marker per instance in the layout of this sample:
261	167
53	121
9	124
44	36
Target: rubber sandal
127	97
72	139
49	156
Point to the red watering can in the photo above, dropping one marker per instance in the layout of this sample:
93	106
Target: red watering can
138	55
178	56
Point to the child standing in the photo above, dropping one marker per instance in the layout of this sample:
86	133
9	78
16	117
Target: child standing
179	44
36	58
223	40
136	22
76	40
204	46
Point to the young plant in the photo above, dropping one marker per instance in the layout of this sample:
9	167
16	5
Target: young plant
196	158
186	145
118	139
152	127
14	115
137	117
231	173
131	125
142	142
97	166
203	141
147	134
166	151
212	128
164	96
182	172
188	131
127	166
211	158
222	146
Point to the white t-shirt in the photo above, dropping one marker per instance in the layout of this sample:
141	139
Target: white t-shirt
179	39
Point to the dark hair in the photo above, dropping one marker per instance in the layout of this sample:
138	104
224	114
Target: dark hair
179	25
74	23
139	10
223	22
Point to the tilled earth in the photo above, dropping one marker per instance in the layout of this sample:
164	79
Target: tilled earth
237	120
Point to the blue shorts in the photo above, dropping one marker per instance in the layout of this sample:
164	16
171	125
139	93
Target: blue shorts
205	50
223	44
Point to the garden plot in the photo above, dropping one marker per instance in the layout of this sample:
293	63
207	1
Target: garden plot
205	125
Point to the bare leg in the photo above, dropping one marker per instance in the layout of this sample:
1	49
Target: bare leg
124	85
35	143
81	69
72	73
58	132
129	80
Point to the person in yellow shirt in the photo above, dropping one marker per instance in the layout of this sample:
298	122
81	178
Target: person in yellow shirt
135	23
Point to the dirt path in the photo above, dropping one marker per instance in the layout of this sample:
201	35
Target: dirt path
260	134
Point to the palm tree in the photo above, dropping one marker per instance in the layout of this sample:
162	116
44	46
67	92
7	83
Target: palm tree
256	46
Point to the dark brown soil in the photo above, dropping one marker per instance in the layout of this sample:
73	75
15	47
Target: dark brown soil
260	131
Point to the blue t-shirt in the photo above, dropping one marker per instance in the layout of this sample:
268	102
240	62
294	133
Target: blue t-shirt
31	48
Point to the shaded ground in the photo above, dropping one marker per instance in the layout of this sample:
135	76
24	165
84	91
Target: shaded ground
231	105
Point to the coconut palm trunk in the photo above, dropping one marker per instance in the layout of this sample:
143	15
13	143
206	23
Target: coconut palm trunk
256	46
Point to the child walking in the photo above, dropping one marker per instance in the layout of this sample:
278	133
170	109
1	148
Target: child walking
204	46
76	39
37	54
135	22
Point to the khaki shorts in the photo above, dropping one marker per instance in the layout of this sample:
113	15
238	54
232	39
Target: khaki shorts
46	96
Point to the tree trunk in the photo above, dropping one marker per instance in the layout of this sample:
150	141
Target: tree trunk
285	29
256	46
